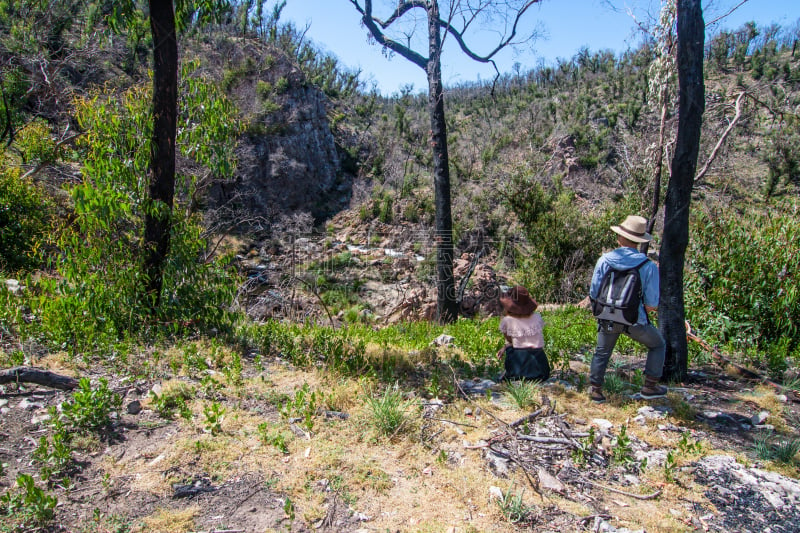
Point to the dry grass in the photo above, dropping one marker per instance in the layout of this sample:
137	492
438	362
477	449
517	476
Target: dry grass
169	521
427	477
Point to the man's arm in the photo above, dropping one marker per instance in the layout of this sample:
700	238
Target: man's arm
650	283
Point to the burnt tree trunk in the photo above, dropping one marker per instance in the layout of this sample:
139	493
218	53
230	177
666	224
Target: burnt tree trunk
158	216
691	104
26	374
446	303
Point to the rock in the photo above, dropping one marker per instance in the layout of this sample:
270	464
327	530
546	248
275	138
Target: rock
602	424
782	398
29	405
444	340
631	479
156	390
648	412
3	403
549	482
36	420
760	418
751	497
497	463
134	408
14	286
495	493
653	457
476	386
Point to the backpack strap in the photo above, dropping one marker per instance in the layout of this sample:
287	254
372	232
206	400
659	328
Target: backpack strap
640	265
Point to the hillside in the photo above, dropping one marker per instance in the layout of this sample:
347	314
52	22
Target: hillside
291	377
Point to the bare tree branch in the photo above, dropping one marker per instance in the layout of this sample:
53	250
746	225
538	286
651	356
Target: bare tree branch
731	10
372	24
700	175
506	41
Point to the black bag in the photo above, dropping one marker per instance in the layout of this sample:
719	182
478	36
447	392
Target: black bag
620	296
526	363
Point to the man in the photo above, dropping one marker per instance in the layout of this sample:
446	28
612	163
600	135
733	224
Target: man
630	234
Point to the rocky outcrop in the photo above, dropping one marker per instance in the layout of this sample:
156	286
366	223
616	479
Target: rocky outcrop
288	160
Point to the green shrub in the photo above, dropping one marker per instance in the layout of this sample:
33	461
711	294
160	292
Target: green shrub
569	331
25	218
214	415
564	241
97	297
740	283
172	399
32	507
53	455
274	437
91	407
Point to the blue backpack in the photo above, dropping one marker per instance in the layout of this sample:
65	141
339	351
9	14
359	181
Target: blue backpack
620	296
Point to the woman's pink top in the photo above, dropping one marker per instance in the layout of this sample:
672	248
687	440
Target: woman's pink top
525	332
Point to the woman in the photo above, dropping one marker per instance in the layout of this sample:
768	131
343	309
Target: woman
523	330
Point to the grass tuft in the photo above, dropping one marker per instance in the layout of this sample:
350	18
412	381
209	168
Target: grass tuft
522	392
388	412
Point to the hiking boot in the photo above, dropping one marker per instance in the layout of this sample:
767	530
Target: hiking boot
651	389
596	394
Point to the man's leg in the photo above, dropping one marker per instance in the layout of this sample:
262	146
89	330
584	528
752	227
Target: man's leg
656	348
654	367
607	335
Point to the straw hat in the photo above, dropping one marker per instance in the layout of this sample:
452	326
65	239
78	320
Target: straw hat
517	301
633	229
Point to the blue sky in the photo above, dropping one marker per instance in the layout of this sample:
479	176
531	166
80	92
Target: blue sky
565	27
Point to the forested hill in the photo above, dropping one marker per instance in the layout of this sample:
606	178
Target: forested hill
278	137
281	369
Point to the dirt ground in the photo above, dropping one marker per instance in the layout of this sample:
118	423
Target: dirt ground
145	473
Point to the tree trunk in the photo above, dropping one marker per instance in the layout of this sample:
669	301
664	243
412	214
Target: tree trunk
26	374
446	304
658	168
691	104
158	216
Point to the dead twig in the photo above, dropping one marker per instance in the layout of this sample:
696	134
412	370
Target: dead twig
652	496
450	421
527	418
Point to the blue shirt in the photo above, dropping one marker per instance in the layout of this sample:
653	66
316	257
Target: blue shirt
623	259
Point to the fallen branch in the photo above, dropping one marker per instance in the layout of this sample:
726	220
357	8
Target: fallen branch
722	361
545	440
25	374
220	531
526	418
652	496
